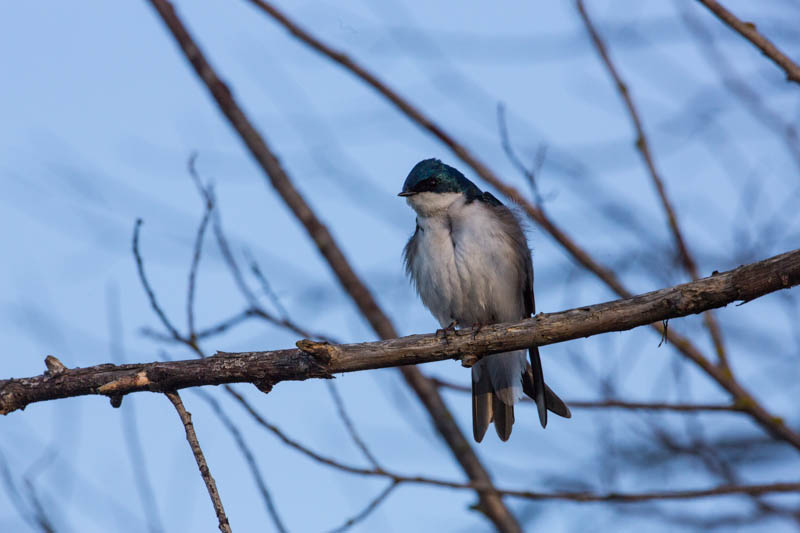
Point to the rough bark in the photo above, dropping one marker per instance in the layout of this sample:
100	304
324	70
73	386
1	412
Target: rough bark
319	360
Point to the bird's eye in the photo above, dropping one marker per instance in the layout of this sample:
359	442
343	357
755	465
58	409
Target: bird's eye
428	184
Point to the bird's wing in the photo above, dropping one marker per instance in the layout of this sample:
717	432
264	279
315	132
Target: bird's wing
410	253
533	377
536	374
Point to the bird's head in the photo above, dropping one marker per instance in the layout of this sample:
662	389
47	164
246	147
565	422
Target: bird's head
431	185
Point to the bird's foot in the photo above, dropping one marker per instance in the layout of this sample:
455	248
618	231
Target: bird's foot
476	328
445	333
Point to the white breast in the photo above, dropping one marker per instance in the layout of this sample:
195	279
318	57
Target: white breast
465	267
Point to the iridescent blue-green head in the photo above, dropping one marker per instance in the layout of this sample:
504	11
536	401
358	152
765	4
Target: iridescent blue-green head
431	175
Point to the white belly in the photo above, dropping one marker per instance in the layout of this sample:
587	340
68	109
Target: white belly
466	270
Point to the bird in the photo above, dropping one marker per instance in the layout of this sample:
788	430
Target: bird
470	263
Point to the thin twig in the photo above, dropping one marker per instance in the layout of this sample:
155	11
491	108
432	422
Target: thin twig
191	343
290	325
233	429
255	309
12	492
211	331
371	506
40	515
191	437
748	31
286	323
198	248
266	288
707	455
750	97
348	423
148	289
615	404
318	457
505	141
643	146
524	494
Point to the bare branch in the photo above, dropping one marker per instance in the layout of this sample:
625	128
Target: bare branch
211	331
748	31
191	437
614	404
39	512
198	248
348	423
748	95
505	141
320	360
371	506
573	496
148	289
248	456
266	287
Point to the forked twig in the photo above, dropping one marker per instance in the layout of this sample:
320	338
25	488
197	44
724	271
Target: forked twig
371	506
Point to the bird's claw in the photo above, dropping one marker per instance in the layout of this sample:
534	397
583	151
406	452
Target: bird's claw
444	333
476	328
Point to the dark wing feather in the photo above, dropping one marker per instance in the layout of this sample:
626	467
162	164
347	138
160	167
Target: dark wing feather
535	375
410	252
533	379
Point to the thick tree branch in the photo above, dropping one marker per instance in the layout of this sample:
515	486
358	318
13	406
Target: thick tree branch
322	360
748	31
491	504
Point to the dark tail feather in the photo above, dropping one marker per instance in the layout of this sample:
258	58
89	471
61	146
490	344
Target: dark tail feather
481	406
538	385
503	418
556	404
539	392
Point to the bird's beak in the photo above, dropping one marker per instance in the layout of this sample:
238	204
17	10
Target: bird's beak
407	193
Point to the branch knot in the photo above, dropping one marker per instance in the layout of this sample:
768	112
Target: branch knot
322	352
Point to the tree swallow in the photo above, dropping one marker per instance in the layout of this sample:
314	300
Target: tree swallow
470	263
